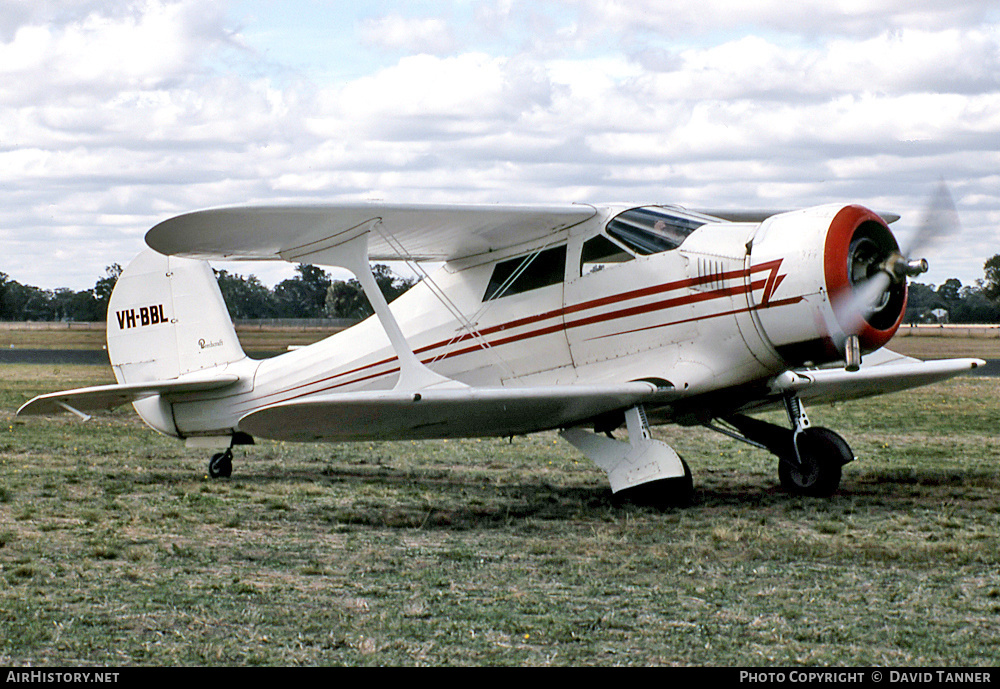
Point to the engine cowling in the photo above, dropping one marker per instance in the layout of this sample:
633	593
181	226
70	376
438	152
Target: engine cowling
812	262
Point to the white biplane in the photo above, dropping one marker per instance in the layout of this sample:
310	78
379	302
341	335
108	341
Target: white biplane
573	317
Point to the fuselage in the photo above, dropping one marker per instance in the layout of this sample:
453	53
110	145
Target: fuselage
696	304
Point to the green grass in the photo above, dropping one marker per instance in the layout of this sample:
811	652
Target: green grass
115	548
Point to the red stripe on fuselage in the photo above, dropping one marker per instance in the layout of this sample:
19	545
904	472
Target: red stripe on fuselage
769	285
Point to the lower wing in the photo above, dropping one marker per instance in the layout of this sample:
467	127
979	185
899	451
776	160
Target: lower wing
883	372
444	413
472	412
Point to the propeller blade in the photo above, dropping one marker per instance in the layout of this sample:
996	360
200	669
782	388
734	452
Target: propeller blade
939	221
868	295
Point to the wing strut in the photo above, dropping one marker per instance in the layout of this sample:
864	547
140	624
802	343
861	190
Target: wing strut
352	254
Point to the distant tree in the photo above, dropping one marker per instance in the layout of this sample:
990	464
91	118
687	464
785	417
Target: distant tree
4	281
965	304
991	288
103	289
921	300
246	297
24	303
37	304
68	305
950	292
27	303
975	307
390	284
346	299
303	296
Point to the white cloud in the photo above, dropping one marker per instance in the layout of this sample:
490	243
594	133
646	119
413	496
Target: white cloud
154	44
857	18
395	32
116	118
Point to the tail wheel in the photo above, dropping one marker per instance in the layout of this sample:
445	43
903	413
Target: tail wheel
221	464
817	469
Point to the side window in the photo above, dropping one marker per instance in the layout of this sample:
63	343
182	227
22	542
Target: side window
599	252
534	271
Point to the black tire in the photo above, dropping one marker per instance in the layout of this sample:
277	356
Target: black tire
221	465
823	454
661	493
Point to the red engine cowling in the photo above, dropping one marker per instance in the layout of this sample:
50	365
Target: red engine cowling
825	255
858	242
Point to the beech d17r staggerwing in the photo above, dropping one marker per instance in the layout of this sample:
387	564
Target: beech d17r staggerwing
578	318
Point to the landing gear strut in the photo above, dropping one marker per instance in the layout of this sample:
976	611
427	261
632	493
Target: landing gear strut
221	464
813	467
810	458
641	470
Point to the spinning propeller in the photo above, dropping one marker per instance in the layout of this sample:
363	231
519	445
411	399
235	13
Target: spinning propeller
874	271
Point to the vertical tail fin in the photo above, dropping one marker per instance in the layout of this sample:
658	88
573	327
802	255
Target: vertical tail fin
166	317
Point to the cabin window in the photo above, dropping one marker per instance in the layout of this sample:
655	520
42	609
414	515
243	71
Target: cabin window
599	252
651	230
525	273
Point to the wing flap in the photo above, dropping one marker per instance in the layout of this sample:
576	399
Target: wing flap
414	232
452	413
108	397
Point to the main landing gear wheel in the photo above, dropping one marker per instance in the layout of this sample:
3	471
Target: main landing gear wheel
822	453
662	493
221	464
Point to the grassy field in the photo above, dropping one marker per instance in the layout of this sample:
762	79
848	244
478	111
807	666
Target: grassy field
942	343
115	548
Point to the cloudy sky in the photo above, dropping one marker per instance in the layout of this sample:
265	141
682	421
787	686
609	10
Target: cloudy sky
116	115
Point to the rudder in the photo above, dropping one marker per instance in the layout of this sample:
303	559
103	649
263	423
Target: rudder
166	318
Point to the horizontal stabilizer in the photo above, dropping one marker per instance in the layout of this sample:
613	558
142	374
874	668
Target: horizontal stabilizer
442	413
108	397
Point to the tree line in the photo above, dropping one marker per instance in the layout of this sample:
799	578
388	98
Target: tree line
953	302
311	293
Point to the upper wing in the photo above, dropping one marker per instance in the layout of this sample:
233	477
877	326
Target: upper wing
413	232
107	397
443	413
883	372
753	215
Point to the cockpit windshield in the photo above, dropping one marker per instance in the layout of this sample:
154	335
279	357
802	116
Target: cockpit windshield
652	229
